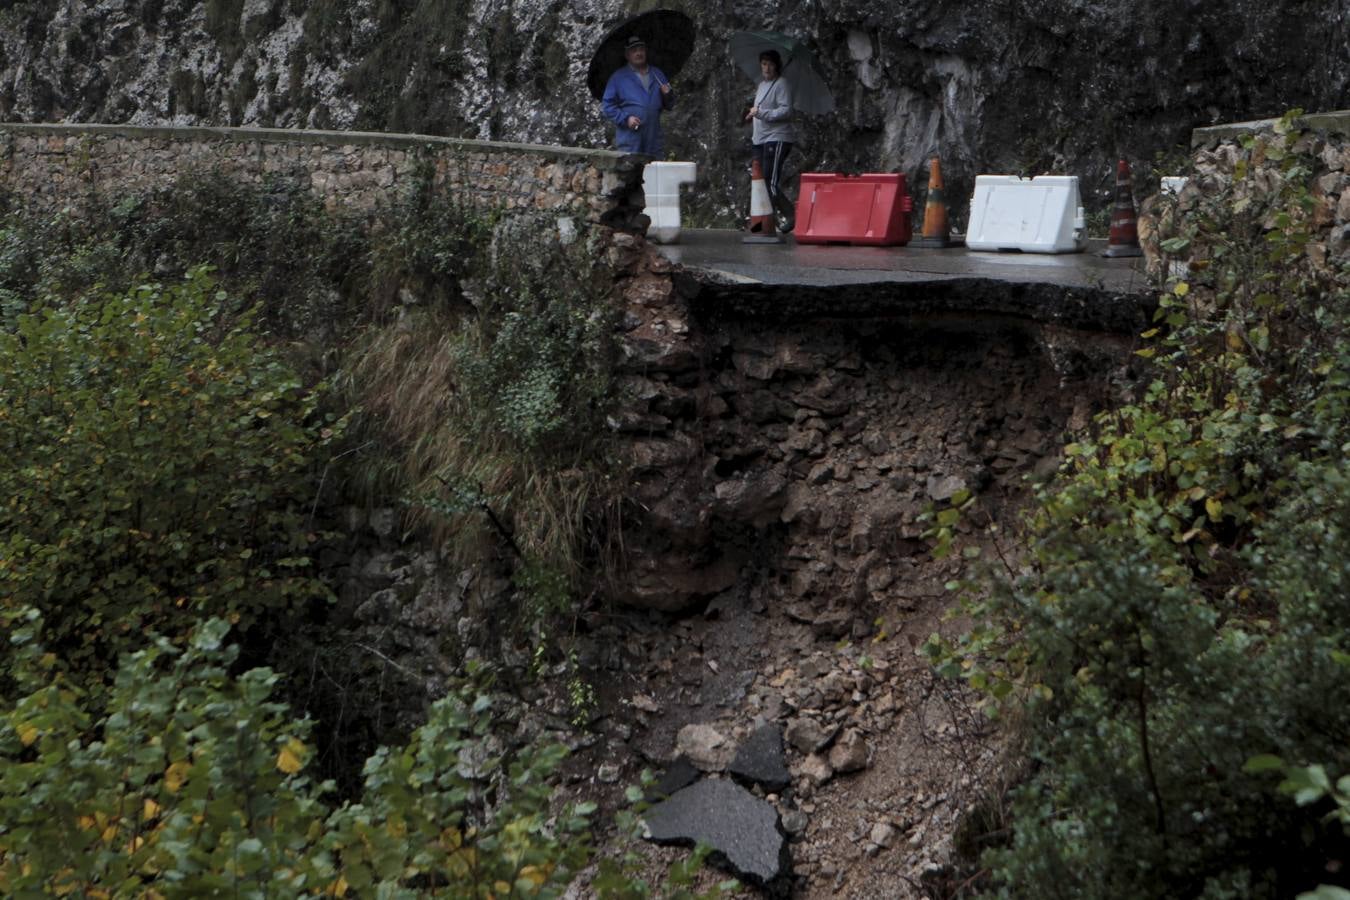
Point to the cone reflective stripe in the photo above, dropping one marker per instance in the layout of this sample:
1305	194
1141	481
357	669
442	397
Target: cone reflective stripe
1124	239
761	210
760	227
936	232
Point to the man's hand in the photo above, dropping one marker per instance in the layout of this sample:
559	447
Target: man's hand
665	87
634	123
754	111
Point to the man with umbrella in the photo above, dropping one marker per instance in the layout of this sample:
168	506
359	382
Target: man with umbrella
633	100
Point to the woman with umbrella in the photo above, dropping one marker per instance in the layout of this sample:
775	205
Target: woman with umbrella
773	133
789	82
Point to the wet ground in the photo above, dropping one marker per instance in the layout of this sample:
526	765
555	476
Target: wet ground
722	255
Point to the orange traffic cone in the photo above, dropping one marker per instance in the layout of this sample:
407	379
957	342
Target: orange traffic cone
1124	240
760	228
935	232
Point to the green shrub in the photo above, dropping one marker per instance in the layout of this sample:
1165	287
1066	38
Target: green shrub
304	266
493	409
1181	602
192	784
156	468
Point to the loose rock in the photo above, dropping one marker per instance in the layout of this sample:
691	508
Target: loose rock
705	746
850	754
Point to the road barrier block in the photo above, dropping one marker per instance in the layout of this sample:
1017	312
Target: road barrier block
853	209
1034	215
661	184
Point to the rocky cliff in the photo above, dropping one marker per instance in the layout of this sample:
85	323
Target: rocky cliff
1004	86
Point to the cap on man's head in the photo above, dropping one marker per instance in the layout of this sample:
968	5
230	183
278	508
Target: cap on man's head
633	41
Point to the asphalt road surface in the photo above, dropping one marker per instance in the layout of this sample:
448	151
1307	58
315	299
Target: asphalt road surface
722	256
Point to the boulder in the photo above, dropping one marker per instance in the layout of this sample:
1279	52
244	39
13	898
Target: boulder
705	747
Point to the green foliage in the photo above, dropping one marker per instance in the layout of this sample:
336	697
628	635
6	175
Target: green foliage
432	245
156	464
192	784
302	265
1181	604
1310	785
495	406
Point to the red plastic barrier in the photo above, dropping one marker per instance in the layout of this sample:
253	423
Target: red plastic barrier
853	209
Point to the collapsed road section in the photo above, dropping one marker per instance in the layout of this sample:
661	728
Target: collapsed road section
793	414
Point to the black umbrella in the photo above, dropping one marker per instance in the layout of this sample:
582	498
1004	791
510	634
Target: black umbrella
670	40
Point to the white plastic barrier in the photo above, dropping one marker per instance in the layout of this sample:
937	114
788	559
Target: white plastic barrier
1173	184
661	184
1035	215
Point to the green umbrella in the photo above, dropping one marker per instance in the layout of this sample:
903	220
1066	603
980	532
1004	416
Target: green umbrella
809	91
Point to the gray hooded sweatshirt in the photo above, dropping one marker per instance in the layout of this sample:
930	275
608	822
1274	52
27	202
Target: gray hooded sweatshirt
774	122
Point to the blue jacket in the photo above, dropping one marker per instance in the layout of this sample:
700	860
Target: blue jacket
625	96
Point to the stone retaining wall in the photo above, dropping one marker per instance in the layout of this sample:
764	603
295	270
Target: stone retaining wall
1325	142
53	165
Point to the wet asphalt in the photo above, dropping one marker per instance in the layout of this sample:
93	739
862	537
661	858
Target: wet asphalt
721	256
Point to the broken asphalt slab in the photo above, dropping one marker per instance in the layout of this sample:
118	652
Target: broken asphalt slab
760	760
743	832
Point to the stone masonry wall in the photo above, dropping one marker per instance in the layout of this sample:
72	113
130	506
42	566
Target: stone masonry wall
1325	139
52	165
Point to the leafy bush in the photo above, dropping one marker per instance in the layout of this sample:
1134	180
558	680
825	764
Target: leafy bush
1181	605
303	265
494	408
191	784
156	468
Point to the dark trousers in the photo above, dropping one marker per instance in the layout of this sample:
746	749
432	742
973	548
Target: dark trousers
771	156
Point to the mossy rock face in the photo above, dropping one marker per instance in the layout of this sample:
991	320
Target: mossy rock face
1065	86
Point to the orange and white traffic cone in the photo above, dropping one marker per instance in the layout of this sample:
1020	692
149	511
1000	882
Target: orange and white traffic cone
1124	239
936	232
760	227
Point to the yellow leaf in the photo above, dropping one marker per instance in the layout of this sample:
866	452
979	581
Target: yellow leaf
28	734
175	775
339	887
1214	507
149	810
1181	289
86	823
535	875
1234	341
501	886
291	758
